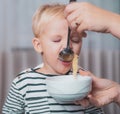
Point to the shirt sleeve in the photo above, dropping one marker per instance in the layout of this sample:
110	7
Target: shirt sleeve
14	103
93	110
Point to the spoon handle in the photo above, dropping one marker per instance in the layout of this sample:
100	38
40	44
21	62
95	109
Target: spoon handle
72	0
68	40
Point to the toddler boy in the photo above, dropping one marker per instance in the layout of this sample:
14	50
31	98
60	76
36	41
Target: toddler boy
28	93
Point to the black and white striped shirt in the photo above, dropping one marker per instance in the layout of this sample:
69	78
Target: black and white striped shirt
28	95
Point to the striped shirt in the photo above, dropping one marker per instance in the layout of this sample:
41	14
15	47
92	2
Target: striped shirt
28	95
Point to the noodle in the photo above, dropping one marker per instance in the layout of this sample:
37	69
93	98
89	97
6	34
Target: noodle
75	65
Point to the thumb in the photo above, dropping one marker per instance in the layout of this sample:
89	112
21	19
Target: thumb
88	73
101	101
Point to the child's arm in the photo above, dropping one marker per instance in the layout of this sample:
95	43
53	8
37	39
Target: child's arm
14	103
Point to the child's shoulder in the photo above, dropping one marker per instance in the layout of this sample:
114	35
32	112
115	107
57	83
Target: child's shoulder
23	75
27	74
24	72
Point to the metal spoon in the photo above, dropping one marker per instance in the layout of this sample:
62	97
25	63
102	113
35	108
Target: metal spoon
67	54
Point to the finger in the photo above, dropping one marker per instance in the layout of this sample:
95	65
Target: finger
70	8
88	73
73	15
84	73
99	101
84	34
93	100
95	79
81	26
75	23
84	102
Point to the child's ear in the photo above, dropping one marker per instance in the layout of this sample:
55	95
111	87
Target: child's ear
37	45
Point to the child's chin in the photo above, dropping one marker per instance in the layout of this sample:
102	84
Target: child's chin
65	72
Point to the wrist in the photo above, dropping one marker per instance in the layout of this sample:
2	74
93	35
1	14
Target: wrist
114	25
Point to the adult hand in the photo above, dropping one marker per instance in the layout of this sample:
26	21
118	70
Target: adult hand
84	16
103	92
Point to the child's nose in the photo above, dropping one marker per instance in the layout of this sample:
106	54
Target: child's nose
65	44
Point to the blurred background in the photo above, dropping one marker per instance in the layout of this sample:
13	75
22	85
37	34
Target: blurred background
100	52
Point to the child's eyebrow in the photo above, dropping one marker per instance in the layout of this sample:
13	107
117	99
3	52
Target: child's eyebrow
56	36
59	34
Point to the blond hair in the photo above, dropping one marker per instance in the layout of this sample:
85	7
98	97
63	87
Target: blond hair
44	15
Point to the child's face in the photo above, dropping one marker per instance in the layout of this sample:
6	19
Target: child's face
52	41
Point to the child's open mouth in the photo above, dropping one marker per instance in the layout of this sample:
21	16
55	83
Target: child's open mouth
66	63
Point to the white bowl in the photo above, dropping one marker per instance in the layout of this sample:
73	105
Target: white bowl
67	88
